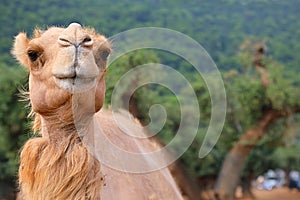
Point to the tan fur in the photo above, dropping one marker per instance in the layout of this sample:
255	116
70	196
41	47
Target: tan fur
20	47
59	171
58	165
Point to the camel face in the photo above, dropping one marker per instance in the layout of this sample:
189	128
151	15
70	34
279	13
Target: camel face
62	62
75	67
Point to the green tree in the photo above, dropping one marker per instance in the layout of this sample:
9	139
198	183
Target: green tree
264	93
13	123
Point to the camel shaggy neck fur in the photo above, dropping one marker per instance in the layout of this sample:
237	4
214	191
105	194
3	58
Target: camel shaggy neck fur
67	88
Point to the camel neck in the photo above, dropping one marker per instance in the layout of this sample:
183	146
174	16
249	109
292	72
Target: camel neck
65	123
70	118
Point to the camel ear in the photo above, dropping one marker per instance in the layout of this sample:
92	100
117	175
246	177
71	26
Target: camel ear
20	48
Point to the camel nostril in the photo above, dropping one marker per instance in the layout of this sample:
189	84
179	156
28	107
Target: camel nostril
64	41
87	41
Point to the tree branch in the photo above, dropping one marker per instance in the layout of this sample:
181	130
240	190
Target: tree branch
258	64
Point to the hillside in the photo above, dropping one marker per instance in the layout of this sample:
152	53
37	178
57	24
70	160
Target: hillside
219	25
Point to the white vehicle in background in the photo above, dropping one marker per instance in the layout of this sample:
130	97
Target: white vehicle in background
270	180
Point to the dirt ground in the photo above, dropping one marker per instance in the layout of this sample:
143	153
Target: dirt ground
276	194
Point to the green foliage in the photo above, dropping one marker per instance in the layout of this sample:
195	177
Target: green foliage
123	64
246	95
220	26
13	123
286	158
283	89
286	143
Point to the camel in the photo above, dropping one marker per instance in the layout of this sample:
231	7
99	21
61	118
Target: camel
66	91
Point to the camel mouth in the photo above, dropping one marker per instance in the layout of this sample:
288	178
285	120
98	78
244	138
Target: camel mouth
75	84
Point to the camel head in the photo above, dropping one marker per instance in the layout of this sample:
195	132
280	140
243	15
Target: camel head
63	62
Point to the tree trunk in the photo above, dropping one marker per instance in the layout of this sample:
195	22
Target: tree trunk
7	190
246	186
258	64
232	167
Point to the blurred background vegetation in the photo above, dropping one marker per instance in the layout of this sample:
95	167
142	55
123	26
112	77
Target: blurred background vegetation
227	29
